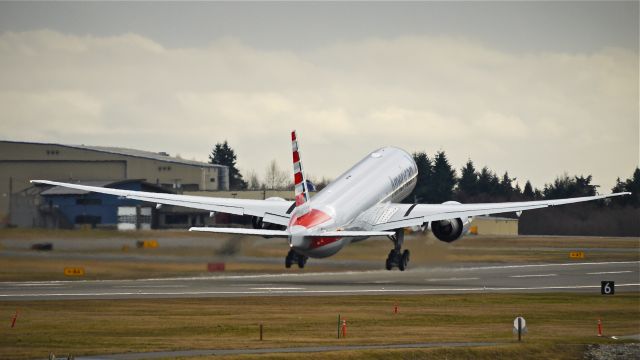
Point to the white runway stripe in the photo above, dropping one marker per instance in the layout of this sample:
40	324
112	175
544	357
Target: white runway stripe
609	272
532	275
303	292
317	274
454	279
149	286
277	288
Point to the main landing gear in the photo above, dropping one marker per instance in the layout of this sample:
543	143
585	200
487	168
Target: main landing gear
293	258
397	257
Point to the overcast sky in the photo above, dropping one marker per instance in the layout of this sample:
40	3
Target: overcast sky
535	88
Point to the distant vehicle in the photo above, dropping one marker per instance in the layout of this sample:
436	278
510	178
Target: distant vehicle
360	203
42	246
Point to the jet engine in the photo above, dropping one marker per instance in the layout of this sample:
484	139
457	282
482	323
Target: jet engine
451	229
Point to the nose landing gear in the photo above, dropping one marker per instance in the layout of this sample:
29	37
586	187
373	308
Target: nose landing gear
396	256
293	257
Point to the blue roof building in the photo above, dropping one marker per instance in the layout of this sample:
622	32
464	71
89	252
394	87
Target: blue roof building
69	208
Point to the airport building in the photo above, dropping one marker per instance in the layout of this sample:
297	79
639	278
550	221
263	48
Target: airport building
24	161
492	225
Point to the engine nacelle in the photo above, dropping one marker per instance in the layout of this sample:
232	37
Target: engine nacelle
451	229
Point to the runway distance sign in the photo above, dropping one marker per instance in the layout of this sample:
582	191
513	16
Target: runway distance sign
147	244
576	255
519	327
74	271
523	323
607	287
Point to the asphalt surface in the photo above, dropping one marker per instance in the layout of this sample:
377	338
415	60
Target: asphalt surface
489	278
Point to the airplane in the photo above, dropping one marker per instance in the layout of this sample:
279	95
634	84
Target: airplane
361	203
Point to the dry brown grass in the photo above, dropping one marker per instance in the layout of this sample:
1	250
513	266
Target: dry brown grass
88	234
111	326
30	269
25	269
425	250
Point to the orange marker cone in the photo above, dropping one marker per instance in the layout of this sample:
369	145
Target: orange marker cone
15	317
599	327
344	328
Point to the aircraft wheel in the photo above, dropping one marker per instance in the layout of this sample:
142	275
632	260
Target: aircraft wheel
302	261
407	254
388	265
288	261
404	260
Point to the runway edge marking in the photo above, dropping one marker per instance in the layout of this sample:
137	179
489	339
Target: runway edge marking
302	292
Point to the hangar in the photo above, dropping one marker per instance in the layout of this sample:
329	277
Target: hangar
494	225
24	161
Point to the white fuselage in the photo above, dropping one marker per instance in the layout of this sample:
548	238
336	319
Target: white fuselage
386	175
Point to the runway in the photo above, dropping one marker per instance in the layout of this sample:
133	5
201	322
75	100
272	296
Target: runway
482	278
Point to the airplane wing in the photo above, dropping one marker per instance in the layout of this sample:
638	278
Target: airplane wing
276	212
396	216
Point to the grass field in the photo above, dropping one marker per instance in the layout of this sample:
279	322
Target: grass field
559	324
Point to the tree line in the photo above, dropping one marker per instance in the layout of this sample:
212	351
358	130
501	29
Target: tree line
438	182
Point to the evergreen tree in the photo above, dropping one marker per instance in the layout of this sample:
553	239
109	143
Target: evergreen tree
468	182
527	193
633	185
566	187
223	154
506	187
494	185
486	181
517	191
421	193
537	194
443	178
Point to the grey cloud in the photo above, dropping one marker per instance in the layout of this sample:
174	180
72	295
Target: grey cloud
535	114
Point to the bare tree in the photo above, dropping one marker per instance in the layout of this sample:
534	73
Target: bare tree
318	184
275	178
252	180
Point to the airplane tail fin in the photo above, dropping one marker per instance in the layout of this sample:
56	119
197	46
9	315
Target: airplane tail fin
299	180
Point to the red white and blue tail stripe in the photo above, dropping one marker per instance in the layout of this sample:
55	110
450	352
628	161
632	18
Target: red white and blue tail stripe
300	182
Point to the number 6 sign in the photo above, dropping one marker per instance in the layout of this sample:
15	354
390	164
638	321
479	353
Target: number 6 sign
607	287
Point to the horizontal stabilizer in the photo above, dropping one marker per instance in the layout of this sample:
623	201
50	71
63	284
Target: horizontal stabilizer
283	233
348	233
242	231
